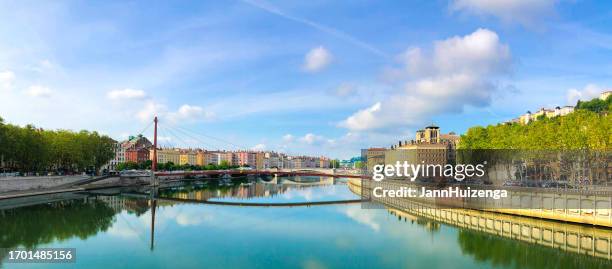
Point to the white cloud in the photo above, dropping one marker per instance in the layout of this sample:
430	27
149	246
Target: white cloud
311	138
43	66
345	90
150	110
364	119
288	138
460	71
6	80
259	147
38	91
589	92
126	94
186	112
192	219
189	112
317	59
525	12
364	217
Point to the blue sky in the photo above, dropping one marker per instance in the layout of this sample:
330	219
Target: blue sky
312	77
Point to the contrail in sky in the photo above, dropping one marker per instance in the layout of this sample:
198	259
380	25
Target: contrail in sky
339	34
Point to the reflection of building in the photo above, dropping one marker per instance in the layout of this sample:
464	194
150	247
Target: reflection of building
249	191
116	202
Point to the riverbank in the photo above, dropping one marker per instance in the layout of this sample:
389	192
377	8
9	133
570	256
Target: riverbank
9	184
29	186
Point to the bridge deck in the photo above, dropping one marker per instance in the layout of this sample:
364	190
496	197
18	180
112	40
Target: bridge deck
257	172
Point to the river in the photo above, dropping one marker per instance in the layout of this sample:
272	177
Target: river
114	228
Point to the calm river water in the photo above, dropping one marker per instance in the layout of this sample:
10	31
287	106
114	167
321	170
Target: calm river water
113	229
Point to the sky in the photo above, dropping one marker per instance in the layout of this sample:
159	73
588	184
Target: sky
301	77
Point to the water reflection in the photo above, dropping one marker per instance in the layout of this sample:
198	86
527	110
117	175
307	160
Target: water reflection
510	253
119	226
281	190
42	224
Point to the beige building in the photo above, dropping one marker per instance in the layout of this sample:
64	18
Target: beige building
187	156
374	156
201	157
605	95
165	155
544	112
429	147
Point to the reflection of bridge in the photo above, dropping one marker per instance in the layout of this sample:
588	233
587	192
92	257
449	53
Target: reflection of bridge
252	204
298	180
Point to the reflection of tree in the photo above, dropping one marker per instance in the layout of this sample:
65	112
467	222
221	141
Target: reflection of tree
507	252
137	206
42	224
431	226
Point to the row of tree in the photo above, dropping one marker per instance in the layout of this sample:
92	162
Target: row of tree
596	105
582	129
170	166
574	147
31	149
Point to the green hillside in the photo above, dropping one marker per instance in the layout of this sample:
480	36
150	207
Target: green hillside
589	127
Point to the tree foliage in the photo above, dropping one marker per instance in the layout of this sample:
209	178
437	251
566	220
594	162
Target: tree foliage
31	149
596	105
170	166
582	129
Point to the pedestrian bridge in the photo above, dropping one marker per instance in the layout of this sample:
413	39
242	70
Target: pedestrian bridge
323	172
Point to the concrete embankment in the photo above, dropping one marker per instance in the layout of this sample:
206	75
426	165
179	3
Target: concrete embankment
31	186
577	207
9	184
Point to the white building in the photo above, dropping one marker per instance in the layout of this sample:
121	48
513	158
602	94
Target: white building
119	152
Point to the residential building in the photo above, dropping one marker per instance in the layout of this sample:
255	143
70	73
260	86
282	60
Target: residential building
374	156
119	157
137	155
187	156
136	149
166	155
324	162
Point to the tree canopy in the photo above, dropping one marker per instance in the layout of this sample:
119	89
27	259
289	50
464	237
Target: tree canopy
582	129
32	149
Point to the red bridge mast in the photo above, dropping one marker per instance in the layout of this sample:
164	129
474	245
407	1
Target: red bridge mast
154	164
